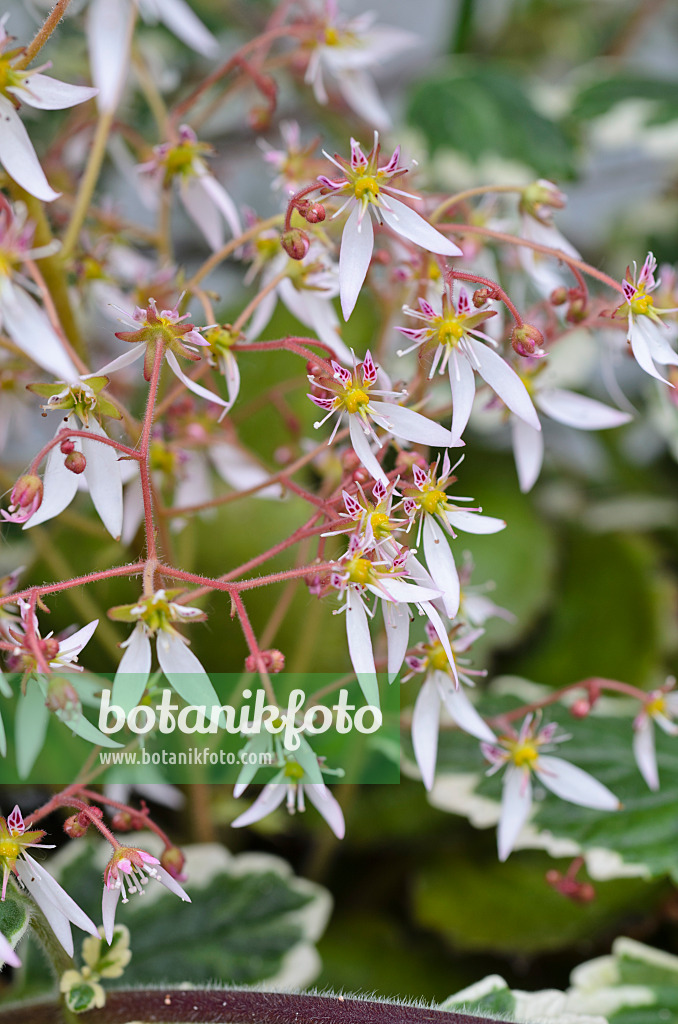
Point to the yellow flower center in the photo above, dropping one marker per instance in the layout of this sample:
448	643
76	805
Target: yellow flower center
294	771
366	187
642	304
524	754
9	849
381	524
437	658
360	571
355	399
331	36
450	331
432	500
656	706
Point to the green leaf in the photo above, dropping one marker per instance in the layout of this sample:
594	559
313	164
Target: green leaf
14	918
481	111
30	727
600	97
251	919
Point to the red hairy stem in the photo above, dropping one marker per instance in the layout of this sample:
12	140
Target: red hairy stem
134	569
66	433
498	291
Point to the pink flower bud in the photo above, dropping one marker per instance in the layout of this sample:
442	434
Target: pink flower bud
67	446
61	694
481	295
580	708
296	243
527	341
76	462
558	296
74	826
122	821
25	499
315	213
173	860
274	661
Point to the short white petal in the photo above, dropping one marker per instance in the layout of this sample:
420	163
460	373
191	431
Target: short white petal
397	623
361	446
46	93
133	671
184	671
441	630
73	645
463	384
412	426
261	316
126	359
657	341
474	522
104	481
109	905
440	562
425	724
404	592
528	452
29	328
192	385
109	36
504	381
18	156
270	797
645	753
360	647
516	801
357	242
406	222
639	346
574	784
325	803
59	484
579	411
462	710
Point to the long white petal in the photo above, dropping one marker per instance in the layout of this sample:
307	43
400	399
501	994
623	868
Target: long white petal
397	622
639	346
29	328
645	753
73	645
222	201
59	484
59	897
187	26
505	382
109	905
361	446
516	801
270	797
46	93
360	647
425	724
361	94
462	710
184	671
241	470
56	919
104	481
528	452
408	593
166	879
463	384
357	242
412	426
473	522
574	784
199	206
404	221
109	36
441	630
657	341
441	565
192	385
18	156
128	357
133	671
579	411
323	801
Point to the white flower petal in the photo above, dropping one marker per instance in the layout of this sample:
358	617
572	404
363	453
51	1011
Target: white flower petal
29	328
7	954
516	801
46	93
184	671
504	381
128	357
408	593
104	481
360	647
71	647
441	565
193	386
56	919
357	242
187	26
223	202
18	156
397	622
640	346
262	314
404	221
133	671
361	94
645	753
270	797
574	784
325	803
59	484
462	710
361	446
109	905
579	411
463	384
58	896
474	522
425	725
200	207
528	452
166	879
241	470
412	426
441	631
109	36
